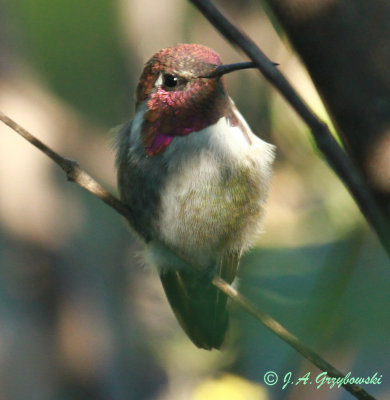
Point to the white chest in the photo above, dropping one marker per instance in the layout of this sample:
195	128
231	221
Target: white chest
216	186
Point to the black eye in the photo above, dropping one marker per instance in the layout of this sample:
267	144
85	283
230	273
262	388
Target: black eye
170	81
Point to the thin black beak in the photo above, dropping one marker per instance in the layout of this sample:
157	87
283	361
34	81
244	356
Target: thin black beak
226	68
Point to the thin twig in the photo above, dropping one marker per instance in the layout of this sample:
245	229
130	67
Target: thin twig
72	169
77	175
336	157
289	338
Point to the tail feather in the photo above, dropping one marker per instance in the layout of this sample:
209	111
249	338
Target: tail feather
199	306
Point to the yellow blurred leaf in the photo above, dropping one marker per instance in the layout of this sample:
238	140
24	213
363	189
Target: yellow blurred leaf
230	387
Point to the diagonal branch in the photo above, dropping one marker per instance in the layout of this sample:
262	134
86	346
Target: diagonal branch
335	156
77	175
72	169
289	338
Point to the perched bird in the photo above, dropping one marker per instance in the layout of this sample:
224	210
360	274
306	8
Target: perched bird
196	179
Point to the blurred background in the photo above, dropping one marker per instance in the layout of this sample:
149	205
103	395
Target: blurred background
80	315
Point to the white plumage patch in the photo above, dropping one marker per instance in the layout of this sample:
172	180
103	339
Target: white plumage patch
202	213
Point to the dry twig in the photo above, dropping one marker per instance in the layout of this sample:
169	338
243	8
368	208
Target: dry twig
289	338
72	169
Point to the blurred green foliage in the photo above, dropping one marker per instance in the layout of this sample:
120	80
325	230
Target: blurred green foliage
92	323
74	45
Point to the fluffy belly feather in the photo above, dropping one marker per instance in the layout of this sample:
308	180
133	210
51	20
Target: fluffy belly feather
203	195
207	207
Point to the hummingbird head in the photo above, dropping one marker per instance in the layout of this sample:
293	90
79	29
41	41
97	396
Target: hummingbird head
184	92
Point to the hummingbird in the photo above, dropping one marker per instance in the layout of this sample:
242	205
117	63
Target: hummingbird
196	179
